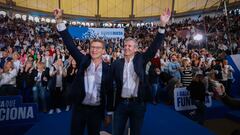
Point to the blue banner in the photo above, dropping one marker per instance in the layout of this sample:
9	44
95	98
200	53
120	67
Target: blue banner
90	33
12	111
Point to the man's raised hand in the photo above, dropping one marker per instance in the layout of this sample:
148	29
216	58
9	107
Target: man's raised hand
164	18
58	13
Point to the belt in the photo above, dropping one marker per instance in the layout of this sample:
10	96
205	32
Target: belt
132	99
82	106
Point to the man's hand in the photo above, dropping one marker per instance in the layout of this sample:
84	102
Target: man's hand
220	90
158	71
45	78
31	69
164	18
107	121
58	13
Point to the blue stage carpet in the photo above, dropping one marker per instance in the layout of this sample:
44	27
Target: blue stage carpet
234	115
159	120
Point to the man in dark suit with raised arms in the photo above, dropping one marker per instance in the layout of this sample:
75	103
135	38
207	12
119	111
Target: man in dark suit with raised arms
91	92
129	76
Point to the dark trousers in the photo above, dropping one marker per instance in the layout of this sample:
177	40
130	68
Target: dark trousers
170	89
8	90
225	84
200	111
134	111
56	98
229	86
27	94
66	94
155	88
86	116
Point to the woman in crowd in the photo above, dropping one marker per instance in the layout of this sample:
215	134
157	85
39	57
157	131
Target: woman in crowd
57	73
25	81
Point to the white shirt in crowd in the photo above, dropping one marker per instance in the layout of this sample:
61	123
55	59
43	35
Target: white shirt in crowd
59	75
222	47
8	78
130	80
17	65
38	77
227	72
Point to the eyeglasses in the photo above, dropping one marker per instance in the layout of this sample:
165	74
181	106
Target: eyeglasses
96	47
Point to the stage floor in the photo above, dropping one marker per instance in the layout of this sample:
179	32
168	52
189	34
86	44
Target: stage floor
159	120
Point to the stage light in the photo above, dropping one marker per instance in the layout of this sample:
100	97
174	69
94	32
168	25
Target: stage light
43	19
17	16
30	18
48	20
24	17
3	13
36	19
198	37
74	23
53	21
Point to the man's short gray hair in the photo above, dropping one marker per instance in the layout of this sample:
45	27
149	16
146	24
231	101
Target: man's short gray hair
131	39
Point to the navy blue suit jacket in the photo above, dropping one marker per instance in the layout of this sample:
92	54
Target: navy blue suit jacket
140	61
77	93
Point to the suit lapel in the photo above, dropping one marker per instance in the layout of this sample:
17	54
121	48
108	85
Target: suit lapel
121	68
104	67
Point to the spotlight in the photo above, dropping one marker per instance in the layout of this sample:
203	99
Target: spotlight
198	37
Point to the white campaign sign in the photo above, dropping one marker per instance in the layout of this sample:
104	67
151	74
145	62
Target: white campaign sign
182	100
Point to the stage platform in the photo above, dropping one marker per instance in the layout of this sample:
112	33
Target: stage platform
159	119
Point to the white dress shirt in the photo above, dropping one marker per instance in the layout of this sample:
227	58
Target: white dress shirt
130	80
61	26
92	83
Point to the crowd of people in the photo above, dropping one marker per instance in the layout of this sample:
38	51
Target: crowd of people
35	63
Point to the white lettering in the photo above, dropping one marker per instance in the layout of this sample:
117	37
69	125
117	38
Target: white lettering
30	113
2	112
2	104
16	113
7	114
21	112
13	114
8	103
